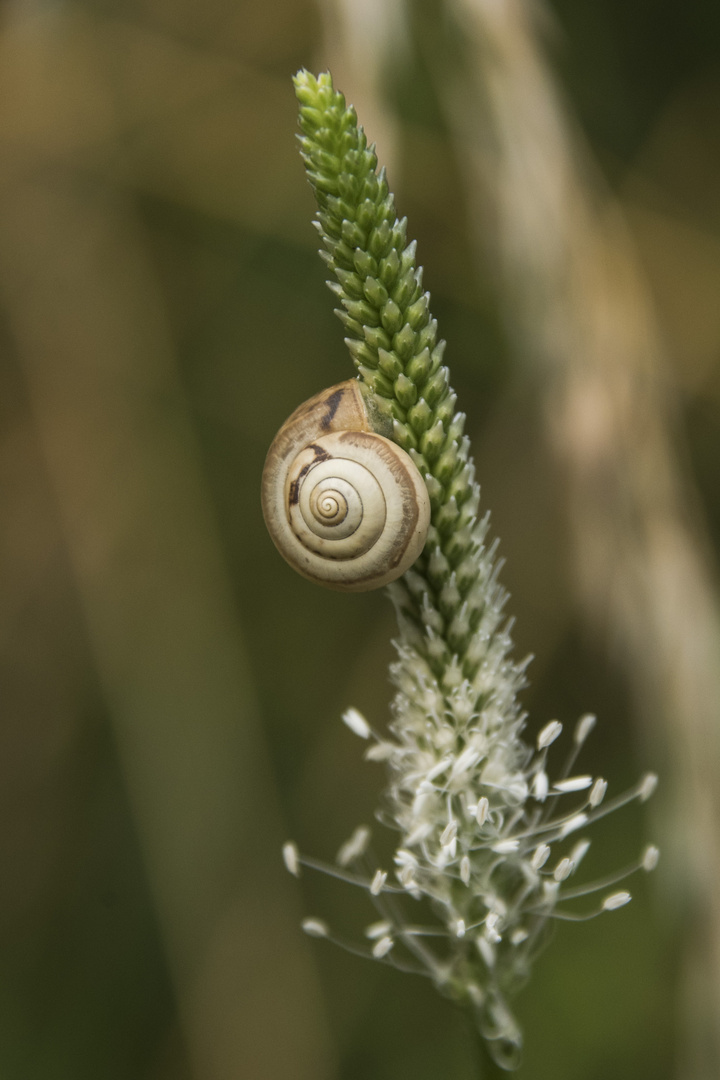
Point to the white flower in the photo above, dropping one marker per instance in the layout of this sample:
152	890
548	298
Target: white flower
463	797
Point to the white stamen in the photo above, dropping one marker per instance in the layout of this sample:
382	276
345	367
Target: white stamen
420	832
584	726
465	870
518	936
573	783
578	821
482	810
579	852
438	768
354	847
647	786
616	900
382	947
540	786
460	928
550	891
406	858
486	950
379	751
291	858
406	877
378	882
541	855
357	723
504	847
598	792
449	833
517	790
315	928
469	757
377	929
650	857
549	734
491	927
563	869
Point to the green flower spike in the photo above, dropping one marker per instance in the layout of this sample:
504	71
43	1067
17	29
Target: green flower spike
487	840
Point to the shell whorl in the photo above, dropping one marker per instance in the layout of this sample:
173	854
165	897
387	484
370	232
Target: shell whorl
346	507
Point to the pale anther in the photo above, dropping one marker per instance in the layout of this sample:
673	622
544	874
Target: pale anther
584	726
382	947
597	794
420	832
491	927
579	852
378	882
541	854
518	936
616	900
504	847
465	870
518	789
563	869
437	769
449	833
406	858
315	927
573	783
354	847
549	734
406	877
578	821
486	950
379	751
550	891
469	757
291	858
650	857
357	723
377	929
647	786
540	786
482	810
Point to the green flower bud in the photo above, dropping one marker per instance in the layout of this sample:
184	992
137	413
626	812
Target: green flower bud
391	317
405	391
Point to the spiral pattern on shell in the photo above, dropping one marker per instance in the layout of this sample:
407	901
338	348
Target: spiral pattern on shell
346	507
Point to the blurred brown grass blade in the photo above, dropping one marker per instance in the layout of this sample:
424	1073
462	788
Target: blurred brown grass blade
360	38
87	318
577	306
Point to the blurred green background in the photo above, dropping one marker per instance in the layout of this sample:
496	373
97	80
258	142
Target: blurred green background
170	690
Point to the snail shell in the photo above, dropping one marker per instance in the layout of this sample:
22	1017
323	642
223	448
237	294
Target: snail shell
346	507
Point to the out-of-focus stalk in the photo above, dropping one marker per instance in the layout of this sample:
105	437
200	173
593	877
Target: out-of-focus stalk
579	309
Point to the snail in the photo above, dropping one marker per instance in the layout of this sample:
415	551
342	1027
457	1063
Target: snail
346	507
